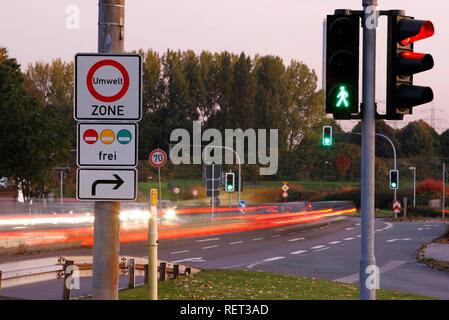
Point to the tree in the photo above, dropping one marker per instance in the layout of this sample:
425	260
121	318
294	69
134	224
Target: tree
444	142
342	163
419	139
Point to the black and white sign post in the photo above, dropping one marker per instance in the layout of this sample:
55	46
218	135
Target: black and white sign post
108	102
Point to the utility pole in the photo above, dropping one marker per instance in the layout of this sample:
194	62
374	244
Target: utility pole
414	185
368	268
111	15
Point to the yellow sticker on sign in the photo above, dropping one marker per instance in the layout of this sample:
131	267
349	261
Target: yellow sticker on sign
107	136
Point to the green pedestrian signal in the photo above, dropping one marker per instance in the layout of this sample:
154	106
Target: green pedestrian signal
327	136
343	96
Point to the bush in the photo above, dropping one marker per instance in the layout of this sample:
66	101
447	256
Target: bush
423	212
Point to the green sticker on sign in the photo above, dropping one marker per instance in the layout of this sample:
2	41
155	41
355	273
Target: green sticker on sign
124	136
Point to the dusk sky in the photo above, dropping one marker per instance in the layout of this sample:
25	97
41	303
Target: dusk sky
292	29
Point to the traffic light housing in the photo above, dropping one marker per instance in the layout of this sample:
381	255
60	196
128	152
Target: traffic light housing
342	65
327	139
403	63
394	179
230	182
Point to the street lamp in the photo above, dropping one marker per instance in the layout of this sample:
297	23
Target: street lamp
414	185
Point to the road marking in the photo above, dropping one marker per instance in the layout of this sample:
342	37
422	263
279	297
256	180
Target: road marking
265	260
177	252
357	224
210	239
235	242
257	239
325	248
209	247
358	236
334	242
378	230
298	252
393	264
317	247
295	239
276	235
197	259
347	229
291	233
394	240
348	239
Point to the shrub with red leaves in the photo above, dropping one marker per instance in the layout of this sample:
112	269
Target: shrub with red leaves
432	186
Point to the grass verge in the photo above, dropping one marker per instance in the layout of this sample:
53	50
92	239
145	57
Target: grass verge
252	285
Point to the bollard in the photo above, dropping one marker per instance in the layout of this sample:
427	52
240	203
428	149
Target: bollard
131	273
145	274
175	271
66	292
187	271
162	271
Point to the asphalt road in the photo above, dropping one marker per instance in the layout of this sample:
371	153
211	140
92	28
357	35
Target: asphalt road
330	251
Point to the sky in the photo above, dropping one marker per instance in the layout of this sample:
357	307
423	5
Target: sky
292	29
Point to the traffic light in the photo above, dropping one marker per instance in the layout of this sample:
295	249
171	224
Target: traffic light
342	65
403	63
230	182
394	179
326	140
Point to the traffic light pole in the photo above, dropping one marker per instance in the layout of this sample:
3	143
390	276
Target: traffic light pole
368	267
111	14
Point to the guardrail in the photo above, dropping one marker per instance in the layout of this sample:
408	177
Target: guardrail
67	268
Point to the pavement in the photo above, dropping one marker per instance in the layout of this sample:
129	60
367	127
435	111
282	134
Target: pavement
437	251
327	251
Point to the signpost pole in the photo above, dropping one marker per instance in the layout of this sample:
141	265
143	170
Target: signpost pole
111	15
444	190
368	274
152	246
62	187
160	188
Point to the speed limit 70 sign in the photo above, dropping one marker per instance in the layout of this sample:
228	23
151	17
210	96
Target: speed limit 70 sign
158	158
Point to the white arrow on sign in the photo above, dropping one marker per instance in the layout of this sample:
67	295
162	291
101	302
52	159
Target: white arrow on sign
106	184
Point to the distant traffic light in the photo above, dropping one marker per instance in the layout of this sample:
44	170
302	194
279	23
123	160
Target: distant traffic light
394	179
230	182
342	65
403	63
327	139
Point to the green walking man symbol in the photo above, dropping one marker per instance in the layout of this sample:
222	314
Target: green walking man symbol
343	96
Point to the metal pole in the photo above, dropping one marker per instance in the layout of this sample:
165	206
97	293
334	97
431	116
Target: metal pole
414	187
444	189
368	274
160	187
213	191
152	246
61	176
111	15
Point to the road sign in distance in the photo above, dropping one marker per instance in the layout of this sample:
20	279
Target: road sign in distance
108	87
106	184
157	158
107	144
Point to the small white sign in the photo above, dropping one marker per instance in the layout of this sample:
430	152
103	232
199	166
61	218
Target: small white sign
108	87
107	144
106	184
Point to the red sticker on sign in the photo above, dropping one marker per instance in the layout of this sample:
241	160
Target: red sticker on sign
90	136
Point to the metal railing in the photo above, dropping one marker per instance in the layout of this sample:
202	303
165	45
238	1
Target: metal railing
32	271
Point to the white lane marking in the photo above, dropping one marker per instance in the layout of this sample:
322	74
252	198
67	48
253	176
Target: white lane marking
276	235
235	242
210	239
357	224
197	259
295	239
393	264
16	228
209	247
298	252
348	239
334	242
177	252
347	229
257	239
325	248
317	247
394	240
291	233
265	260
378	230
358	236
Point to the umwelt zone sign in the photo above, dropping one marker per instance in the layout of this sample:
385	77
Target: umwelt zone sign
108	87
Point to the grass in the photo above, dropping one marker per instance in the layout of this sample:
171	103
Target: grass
251	285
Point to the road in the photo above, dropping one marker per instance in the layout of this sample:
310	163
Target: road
327	251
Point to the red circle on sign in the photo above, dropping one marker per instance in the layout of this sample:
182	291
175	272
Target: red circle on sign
155	161
90	76
90	136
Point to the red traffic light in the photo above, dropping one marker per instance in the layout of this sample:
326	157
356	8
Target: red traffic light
414	30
